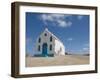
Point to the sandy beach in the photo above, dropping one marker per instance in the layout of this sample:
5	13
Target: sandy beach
57	60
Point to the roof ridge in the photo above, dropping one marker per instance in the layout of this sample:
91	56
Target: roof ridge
46	29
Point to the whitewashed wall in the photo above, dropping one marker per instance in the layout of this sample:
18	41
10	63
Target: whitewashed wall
59	45
45	39
56	44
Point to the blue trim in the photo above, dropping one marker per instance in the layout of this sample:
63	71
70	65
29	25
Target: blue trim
45	49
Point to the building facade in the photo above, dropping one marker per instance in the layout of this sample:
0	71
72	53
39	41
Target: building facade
47	44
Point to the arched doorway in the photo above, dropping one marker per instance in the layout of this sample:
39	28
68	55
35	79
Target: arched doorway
45	49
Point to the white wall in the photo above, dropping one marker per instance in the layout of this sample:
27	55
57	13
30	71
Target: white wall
59	45
45	39
5	41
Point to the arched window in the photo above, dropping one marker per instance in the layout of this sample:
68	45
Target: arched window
39	48
45	34
50	47
51	39
39	40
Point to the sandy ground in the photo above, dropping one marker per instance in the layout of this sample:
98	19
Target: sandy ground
58	60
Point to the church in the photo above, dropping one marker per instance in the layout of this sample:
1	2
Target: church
47	44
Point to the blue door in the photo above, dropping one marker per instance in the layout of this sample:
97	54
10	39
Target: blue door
44	49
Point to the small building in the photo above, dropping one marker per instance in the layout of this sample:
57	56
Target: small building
47	44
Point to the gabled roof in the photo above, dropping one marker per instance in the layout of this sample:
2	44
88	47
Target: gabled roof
46	30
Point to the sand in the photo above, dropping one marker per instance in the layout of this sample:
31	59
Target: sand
57	60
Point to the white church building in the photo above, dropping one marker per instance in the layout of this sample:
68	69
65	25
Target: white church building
47	44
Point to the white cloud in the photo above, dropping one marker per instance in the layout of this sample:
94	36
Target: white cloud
86	44
85	48
64	24
56	19
70	39
47	17
61	23
69	23
79	17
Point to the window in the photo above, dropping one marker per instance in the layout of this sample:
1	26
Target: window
39	48
45	34
51	39
60	49
50	47
39	40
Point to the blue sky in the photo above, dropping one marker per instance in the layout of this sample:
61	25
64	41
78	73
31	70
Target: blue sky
72	30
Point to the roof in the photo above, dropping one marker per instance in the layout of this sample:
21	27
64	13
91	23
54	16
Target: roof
46	29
